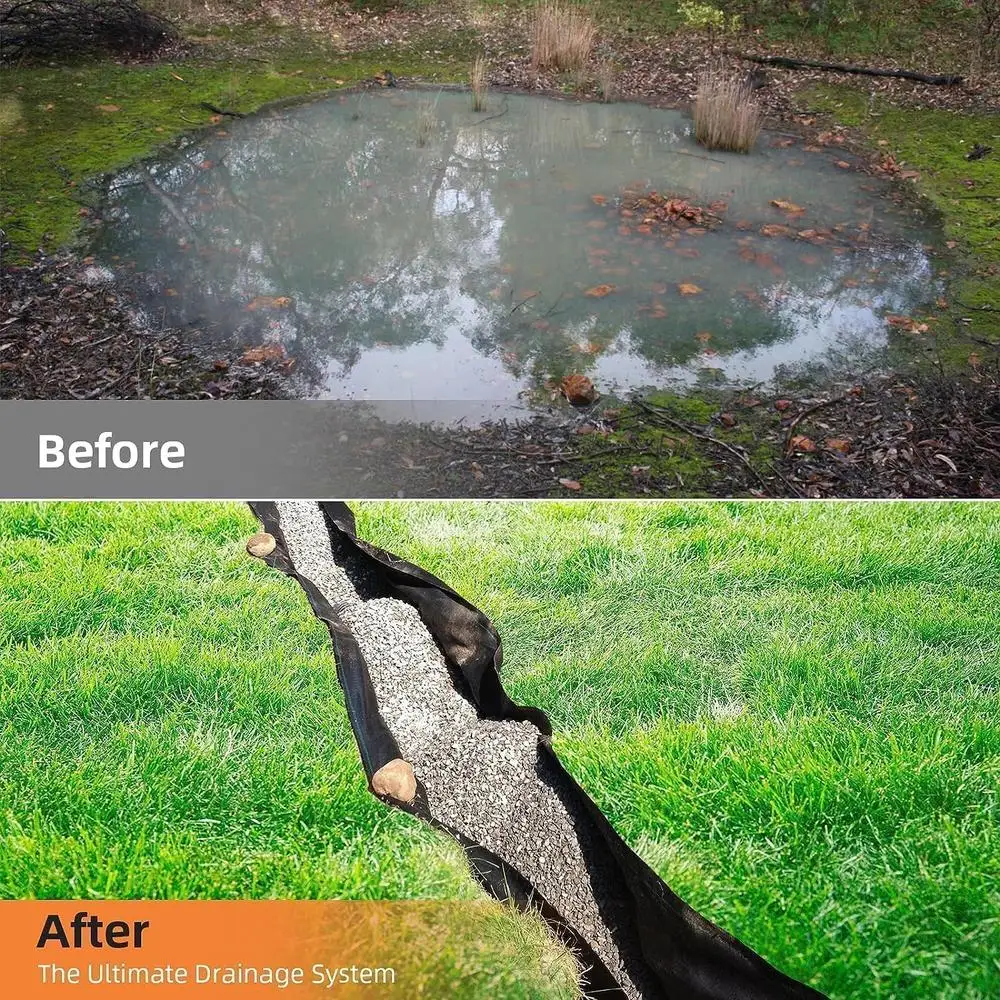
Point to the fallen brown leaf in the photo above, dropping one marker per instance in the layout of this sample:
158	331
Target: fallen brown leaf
266	352
269	302
578	389
787	206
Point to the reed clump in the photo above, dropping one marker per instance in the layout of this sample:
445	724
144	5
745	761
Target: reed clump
562	37
478	82
726	114
426	122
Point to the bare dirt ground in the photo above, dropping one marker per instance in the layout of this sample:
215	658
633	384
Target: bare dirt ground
647	68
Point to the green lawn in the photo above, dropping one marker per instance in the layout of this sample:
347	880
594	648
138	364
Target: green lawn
791	711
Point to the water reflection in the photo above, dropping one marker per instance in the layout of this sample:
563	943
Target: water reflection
396	261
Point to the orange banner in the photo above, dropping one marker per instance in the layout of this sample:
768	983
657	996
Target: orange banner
211	949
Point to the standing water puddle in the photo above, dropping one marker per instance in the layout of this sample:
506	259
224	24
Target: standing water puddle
398	245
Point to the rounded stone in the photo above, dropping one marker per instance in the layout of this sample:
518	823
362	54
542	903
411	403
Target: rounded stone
262	544
396	780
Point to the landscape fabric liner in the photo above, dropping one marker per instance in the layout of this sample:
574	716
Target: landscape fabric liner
680	954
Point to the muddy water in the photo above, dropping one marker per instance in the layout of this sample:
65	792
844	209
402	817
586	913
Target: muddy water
398	245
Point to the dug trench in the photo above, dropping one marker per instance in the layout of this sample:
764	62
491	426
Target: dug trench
439	738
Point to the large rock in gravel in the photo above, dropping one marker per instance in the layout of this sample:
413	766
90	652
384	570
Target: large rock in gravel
396	780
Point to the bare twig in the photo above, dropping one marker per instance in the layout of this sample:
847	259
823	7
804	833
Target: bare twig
661	417
527	298
489	118
808	411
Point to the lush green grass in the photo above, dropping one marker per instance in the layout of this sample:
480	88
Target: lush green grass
791	711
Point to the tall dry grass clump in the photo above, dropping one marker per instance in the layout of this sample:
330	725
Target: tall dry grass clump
561	37
726	114
607	77
477	80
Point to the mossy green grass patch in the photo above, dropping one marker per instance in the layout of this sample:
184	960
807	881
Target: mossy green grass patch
966	193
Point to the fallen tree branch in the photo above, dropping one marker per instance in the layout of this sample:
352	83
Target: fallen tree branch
902	74
56	29
658	416
221	111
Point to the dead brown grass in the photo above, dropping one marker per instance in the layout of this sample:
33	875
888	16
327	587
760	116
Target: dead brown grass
726	115
479	84
561	37
607	80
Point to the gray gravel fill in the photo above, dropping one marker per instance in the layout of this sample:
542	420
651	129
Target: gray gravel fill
482	777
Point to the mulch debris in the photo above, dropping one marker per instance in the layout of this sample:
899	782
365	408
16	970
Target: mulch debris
893	437
880	438
67	333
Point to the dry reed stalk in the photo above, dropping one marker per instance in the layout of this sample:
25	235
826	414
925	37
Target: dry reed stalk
726	115
426	122
477	79
561	37
606	78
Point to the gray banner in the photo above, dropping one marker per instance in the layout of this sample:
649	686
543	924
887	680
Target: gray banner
232	449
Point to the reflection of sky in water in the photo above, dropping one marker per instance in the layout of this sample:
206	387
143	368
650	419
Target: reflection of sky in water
458	269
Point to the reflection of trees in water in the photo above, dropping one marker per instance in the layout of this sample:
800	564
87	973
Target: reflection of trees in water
379	242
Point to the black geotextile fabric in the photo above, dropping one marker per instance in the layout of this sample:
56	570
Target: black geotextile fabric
675	952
